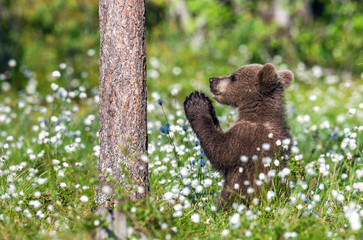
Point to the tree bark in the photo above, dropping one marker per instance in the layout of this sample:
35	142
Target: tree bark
123	100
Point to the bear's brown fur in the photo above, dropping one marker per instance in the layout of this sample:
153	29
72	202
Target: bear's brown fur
257	92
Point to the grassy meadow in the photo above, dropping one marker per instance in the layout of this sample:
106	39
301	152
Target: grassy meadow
49	121
49	149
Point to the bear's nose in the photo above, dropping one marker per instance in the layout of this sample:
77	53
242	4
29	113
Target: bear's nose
211	80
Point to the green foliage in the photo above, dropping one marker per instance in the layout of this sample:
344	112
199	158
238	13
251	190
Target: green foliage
41	34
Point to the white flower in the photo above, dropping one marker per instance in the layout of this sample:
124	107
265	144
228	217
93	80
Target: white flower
144	158
185	191
63	185
286	141
54	86
140	189
286	171
266	161
199	189
177	214
176	71
358	186
207	182
250	190
359	173
40	214
55	161
70	148
235	220
270	195
56	74
353	218
248	233
83	95
262	176
288	235
91	52
266	146
53	139
35	204
294	150
96	150
340	197
37	194
178	207
244	158
12	63
195	218
277	162
184	172
313	98
225	232
84	198
316	198
352	111
168	196
195	183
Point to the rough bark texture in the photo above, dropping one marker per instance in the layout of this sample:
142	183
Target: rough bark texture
123	119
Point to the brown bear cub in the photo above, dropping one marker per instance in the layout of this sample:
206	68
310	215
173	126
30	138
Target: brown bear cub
245	153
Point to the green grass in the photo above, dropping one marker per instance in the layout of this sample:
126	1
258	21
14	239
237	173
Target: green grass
35	131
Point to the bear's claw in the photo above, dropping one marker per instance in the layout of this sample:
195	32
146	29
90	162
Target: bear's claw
197	103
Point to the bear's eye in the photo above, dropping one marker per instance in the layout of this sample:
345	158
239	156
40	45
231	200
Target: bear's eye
233	78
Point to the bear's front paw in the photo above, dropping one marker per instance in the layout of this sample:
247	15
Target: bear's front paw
197	104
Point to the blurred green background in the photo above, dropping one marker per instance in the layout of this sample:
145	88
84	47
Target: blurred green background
187	41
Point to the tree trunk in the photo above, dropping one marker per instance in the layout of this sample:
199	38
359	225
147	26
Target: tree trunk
123	115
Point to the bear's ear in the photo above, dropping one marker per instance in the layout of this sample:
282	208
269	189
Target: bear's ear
267	77
286	78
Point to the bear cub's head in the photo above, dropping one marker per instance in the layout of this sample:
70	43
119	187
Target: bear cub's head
249	84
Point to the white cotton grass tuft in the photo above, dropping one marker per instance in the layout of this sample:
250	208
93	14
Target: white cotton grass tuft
235	221
225	232
144	158
63	125
244	158
56	74
270	195
35	204
37	194
195	218
266	147
289	235
84	199
184	172
353	217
